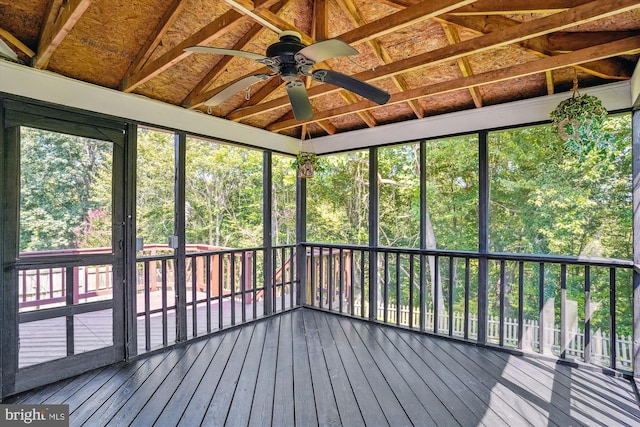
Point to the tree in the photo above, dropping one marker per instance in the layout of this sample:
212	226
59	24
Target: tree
59	176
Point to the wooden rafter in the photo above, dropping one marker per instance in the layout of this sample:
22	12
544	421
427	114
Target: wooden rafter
502	7
402	19
221	65
215	29
380	52
152	42
540	46
57	25
13	40
629	45
527	30
463	63
369	31
512	7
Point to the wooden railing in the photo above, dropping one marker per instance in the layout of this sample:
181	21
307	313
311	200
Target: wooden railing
601	346
224	287
578	301
47	287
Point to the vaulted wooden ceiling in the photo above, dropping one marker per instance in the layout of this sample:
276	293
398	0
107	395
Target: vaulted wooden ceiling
433	57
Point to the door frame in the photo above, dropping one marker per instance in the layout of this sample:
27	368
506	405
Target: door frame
14	114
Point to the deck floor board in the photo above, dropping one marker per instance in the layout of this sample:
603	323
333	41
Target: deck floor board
307	367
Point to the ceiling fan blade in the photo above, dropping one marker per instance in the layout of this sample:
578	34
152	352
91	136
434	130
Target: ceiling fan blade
299	100
219	51
326	49
233	88
363	89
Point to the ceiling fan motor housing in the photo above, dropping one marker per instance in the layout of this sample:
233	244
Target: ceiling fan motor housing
283	53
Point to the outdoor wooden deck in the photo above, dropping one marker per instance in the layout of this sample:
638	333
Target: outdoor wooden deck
306	367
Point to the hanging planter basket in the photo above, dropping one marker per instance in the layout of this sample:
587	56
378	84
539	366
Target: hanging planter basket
306	164
579	121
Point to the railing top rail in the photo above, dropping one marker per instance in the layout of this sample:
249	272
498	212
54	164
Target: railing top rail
555	259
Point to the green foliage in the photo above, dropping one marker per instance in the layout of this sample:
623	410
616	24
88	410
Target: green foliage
59	184
95	231
304	157
579	121
155	186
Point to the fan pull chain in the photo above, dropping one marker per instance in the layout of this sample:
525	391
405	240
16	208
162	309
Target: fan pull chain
247	93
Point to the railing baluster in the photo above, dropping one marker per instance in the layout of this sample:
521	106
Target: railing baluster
220	291
292	277
541	346
423	307
207	282
330	277
612	317
520	303
411	274
147	309
363	263
254	282
466	298
321	276
194	295
352	261
451	295
163	281
563	311
397	288
587	314
284	277
385	288
502	302
436	294
232	279
243	287
341	280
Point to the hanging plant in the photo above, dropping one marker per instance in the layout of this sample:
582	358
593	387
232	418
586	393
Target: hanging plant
306	164
579	121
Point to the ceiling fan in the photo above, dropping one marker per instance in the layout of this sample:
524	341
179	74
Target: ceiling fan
289	58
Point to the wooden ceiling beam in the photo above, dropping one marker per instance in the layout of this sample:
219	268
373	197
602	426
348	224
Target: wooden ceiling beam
380	52
13	40
629	45
501	7
366	116
549	79
321	19
221	65
402	19
566	41
328	127
541	46
169	17
463	63
513	7
215	29
515	34
372	30
58	24
176	54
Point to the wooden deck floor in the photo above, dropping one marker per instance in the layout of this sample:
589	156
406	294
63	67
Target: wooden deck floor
306	367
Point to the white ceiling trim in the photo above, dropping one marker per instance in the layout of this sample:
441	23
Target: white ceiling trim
50	87
614	96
